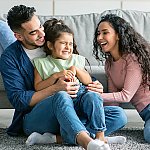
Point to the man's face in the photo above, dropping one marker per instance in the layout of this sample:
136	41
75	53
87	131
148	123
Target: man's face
32	35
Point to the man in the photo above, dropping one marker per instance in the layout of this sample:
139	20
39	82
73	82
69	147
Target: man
42	111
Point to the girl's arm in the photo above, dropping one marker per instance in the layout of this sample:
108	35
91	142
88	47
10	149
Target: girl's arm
81	74
40	84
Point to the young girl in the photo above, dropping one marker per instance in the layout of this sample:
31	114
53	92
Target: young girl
63	61
127	65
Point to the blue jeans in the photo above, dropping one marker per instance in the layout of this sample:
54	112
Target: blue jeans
145	115
89	108
59	109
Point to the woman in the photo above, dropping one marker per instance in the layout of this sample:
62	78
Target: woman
127	65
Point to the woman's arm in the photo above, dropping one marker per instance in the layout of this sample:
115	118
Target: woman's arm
96	86
131	83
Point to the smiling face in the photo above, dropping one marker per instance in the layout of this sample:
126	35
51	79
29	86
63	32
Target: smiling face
63	46
32	34
108	38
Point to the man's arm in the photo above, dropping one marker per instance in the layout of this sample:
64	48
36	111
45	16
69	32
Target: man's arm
40	84
19	85
60	85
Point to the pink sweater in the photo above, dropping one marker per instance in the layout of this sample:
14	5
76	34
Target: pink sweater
124	83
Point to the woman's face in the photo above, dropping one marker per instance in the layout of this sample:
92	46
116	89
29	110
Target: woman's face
107	38
63	46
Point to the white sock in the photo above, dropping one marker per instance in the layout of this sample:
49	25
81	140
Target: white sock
37	138
97	145
116	139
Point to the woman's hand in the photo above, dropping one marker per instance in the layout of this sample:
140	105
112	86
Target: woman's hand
95	86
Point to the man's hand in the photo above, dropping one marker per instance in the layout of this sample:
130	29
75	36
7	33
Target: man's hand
70	87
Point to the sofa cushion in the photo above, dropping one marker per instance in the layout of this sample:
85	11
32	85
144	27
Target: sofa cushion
6	36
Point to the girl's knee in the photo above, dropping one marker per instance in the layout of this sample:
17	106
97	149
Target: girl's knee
61	95
93	97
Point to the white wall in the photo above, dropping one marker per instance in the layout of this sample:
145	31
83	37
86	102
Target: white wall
75	7
43	7
143	5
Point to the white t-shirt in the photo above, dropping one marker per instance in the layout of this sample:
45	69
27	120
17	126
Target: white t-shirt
34	53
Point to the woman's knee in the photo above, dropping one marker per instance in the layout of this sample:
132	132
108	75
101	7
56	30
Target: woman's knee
147	136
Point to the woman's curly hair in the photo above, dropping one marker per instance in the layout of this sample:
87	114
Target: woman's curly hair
130	41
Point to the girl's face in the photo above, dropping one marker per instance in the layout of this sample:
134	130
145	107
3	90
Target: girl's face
63	46
108	38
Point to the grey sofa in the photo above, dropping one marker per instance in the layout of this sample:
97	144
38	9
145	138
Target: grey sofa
83	27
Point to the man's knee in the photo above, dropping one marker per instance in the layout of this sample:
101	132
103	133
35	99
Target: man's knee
147	131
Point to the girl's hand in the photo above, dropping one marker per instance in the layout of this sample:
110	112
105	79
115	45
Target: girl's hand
95	86
71	74
68	74
73	69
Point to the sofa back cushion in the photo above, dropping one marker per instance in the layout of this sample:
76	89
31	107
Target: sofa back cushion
6	38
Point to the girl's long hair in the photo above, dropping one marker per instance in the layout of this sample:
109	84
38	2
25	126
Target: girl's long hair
53	29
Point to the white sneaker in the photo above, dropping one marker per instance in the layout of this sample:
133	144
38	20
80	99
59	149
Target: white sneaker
97	145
